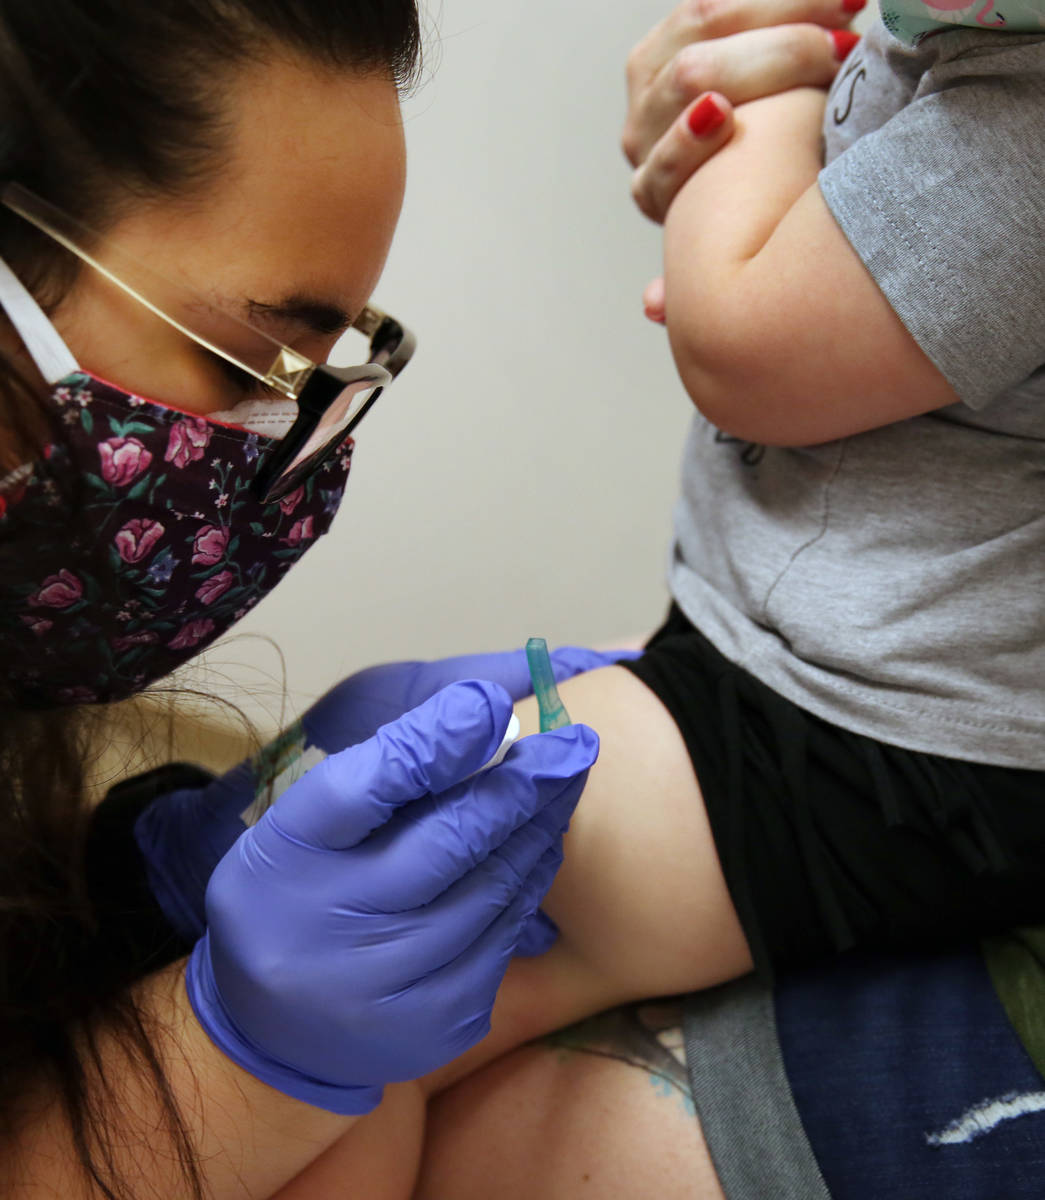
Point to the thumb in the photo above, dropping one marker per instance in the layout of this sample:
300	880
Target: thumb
537	935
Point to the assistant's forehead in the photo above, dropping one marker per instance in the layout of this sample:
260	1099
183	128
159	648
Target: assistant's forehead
305	202
300	129
316	172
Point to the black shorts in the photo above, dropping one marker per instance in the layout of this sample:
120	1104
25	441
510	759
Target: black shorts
830	840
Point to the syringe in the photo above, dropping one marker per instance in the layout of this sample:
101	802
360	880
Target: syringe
553	711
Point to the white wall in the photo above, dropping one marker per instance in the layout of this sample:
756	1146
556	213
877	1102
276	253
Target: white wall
518	479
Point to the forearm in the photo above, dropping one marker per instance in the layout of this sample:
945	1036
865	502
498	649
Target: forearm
249	1138
721	222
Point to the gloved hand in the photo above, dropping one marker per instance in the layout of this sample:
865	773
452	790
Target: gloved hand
184	834
358	933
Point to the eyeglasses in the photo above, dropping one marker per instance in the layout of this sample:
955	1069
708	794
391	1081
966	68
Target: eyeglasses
331	401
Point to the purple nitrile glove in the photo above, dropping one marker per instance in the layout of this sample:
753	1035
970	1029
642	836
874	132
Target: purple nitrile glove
184	834
357	935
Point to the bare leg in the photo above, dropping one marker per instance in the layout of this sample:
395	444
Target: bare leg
599	1110
641	897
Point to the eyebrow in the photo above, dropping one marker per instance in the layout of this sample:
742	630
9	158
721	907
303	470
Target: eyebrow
314	314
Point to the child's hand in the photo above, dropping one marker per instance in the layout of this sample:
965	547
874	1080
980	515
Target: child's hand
653	301
685	76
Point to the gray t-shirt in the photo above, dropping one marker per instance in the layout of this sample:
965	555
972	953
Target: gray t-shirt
894	582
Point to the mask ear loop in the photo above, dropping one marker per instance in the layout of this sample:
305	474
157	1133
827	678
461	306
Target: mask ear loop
52	356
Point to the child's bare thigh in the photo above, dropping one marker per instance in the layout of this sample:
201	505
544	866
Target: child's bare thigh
641	897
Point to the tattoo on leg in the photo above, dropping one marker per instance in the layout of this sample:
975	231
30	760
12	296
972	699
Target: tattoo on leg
647	1036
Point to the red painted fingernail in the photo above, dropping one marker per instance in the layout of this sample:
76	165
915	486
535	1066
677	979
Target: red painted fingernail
844	40
706	117
853	6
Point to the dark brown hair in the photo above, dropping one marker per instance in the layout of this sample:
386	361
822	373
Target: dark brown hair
102	101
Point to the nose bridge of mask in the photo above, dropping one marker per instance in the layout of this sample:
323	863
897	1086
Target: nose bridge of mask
270	417
52	356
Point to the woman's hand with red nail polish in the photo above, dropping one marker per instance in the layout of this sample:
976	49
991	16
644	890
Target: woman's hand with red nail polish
732	51
694	137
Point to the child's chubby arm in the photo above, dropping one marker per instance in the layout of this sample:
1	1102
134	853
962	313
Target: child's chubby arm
780	334
640	900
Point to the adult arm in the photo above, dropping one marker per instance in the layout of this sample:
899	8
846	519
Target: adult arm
397	842
251	1139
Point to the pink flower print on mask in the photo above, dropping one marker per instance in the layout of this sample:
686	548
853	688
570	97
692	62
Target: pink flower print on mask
214	588
300	531
58	591
39	625
187	442
137	539
115	603
209	545
191	634
291	500
130	640
123	460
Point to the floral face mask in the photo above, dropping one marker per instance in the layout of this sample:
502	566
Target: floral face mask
135	540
